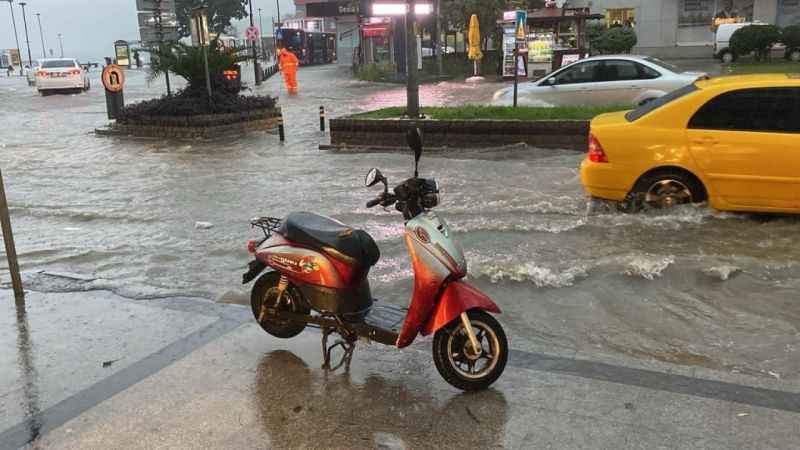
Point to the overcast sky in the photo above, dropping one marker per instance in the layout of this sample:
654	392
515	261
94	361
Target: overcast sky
90	27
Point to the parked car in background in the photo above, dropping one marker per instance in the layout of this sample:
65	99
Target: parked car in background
601	80
30	73
734	141
61	74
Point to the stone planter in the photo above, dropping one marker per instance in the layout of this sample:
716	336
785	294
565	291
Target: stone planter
453	134
195	127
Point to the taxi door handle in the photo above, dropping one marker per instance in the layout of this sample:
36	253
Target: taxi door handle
706	140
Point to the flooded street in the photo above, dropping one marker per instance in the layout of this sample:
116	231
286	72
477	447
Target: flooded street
692	286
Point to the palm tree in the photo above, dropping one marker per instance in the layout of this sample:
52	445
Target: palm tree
186	61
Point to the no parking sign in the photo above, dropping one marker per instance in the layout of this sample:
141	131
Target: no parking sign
252	34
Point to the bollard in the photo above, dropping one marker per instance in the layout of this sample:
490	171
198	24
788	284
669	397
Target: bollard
281	131
322	119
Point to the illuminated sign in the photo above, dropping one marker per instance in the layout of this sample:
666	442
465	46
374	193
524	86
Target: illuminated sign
399	9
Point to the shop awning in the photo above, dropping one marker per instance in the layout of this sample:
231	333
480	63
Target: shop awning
377	29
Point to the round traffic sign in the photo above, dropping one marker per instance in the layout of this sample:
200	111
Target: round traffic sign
252	34
113	78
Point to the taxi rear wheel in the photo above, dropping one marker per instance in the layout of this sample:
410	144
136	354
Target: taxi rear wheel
665	189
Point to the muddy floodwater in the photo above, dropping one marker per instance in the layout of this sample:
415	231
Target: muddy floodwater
150	219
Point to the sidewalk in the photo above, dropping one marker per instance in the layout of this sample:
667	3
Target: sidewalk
194	374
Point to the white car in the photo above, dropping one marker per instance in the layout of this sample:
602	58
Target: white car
61	74
601	80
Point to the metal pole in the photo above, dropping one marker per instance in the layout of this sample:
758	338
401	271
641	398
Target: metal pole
160	34
208	76
8	239
41	34
61	44
255	55
438	48
278	4
260	22
16	37
27	39
516	77
412	88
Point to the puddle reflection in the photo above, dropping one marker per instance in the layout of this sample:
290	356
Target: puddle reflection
302	407
28	375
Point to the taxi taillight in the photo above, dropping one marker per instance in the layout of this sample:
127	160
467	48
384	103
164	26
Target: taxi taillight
596	152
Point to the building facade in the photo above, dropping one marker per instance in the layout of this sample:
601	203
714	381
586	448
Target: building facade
685	28
342	15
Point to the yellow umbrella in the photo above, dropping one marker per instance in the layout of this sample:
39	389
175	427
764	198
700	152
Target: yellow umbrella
475	39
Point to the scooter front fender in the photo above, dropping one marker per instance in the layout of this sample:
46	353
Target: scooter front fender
458	297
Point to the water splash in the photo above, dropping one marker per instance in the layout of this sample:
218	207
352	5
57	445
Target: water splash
649	267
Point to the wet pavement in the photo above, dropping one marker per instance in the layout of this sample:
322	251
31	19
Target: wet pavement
689	293
220	382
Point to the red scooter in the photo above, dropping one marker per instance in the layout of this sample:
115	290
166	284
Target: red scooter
318	271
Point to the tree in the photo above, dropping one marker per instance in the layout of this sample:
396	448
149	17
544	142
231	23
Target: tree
220	14
756	39
187	62
617	40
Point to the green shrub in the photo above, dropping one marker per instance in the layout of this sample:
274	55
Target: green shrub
594	30
617	40
755	39
791	36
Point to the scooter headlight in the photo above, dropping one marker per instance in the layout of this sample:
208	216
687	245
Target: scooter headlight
430	194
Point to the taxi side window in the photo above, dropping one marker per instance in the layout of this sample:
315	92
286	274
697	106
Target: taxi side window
775	110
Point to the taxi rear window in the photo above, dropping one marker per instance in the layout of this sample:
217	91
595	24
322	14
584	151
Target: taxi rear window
653	105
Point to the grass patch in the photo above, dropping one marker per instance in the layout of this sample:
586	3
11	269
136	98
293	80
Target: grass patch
497	112
750	67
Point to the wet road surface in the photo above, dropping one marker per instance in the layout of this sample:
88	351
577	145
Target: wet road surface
692	286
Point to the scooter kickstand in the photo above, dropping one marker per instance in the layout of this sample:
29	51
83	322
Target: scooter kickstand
347	345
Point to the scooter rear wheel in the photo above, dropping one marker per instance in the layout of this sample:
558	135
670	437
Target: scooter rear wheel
266	290
457	362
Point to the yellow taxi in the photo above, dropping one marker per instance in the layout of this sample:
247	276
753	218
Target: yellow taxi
732	141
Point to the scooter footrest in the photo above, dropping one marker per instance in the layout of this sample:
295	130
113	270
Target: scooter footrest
386	316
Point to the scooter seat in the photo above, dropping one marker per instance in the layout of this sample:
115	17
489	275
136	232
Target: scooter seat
324	233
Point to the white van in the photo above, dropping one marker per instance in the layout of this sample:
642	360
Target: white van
722	41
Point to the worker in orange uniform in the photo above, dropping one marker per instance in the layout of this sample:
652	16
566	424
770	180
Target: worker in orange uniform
288	63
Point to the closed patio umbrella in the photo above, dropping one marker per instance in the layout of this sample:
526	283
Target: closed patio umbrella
475	53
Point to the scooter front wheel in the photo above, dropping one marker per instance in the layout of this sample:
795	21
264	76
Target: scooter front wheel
456	359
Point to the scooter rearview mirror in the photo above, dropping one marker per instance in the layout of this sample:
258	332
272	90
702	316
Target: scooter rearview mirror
372	178
414	138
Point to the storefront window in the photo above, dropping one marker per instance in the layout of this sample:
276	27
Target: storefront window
621	17
694	13
788	12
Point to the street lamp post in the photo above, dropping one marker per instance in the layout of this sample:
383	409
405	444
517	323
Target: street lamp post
200	37
412	87
27	39
260	22
255	56
16	36
41	34
61	45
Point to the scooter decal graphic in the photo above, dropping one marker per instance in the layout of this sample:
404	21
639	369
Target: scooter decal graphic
283	262
422	235
308	265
